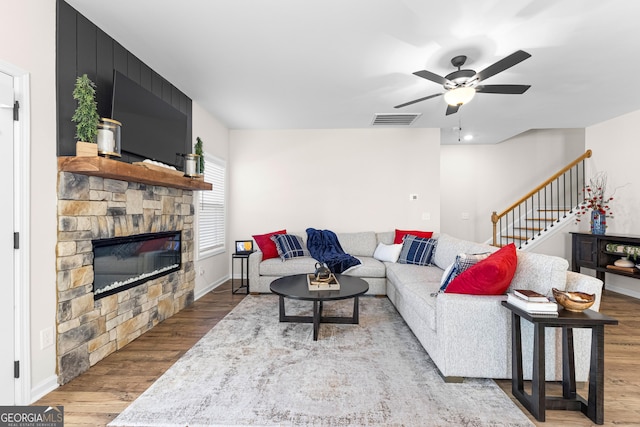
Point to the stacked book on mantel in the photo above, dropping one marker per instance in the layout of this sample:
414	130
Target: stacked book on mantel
532	302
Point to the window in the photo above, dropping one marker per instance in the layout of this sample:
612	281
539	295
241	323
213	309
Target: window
211	215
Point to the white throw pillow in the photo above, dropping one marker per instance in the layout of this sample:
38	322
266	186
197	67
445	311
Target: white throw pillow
388	253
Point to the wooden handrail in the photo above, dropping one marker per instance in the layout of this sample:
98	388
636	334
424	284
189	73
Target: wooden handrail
495	217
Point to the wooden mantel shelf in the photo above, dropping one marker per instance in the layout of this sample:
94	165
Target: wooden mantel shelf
113	169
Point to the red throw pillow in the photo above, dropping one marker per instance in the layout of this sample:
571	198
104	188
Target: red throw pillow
491	276
266	245
401	233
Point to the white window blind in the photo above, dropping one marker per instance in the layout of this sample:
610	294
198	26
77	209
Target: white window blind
211	219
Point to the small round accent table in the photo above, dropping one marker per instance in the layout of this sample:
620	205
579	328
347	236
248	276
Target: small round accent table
296	287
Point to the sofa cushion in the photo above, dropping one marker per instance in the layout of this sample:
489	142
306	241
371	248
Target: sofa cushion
491	276
386	237
289	246
399	237
358	244
416	250
449	247
388	253
540	272
266	245
368	267
421	299
275	266
402	274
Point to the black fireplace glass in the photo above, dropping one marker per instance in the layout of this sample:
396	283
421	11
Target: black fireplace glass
121	263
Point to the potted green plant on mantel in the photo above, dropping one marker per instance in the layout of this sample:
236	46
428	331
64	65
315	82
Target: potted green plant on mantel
86	116
200	152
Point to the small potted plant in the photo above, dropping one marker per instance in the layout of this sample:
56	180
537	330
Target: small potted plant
86	116
200	153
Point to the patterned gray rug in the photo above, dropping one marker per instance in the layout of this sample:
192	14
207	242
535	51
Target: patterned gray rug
251	370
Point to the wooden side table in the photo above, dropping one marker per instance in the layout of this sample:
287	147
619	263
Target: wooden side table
538	402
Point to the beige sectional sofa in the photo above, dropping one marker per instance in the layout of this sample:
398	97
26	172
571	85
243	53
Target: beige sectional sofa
465	335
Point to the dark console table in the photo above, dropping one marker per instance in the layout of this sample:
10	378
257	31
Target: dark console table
590	251
538	402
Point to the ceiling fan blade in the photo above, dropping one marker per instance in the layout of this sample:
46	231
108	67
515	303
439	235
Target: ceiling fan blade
452	109
417	100
431	76
504	89
503	64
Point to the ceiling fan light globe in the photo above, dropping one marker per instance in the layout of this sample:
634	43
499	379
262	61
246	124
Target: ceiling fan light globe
459	96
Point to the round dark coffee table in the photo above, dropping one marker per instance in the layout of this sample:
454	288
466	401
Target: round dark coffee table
296	287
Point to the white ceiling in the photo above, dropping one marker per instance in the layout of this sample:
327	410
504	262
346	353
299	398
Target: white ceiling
314	64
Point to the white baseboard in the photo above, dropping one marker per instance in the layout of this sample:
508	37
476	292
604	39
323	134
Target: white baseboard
209	288
45	387
623	291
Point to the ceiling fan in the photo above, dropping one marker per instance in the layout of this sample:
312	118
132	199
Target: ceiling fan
461	85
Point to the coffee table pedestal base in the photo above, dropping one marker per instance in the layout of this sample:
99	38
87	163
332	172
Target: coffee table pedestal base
317	318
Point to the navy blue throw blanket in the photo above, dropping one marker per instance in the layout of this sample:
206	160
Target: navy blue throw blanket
324	246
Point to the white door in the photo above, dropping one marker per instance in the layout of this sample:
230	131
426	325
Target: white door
7	285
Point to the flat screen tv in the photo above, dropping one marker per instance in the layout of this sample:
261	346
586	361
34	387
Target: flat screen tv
151	128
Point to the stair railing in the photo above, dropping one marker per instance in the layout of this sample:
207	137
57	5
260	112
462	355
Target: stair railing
542	207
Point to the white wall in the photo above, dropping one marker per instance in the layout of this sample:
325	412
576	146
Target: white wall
481	179
212	270
28	39
343	180
615	145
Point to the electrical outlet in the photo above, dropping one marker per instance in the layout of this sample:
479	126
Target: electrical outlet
46	338
465	215
426	216
201	271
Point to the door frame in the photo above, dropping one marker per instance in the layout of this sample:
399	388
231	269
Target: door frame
21	161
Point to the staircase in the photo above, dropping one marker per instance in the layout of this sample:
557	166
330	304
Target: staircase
544	209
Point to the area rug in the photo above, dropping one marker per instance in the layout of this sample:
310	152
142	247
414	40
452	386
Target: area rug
252	370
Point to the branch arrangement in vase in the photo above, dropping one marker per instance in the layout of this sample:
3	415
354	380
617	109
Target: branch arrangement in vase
595	198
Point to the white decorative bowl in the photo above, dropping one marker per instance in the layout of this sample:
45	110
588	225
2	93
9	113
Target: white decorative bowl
624	262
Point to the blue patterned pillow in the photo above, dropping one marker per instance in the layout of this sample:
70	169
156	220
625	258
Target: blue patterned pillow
417	250
462	263
289	246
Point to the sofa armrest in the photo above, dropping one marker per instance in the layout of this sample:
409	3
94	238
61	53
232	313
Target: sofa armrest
254	266
577	282
468	325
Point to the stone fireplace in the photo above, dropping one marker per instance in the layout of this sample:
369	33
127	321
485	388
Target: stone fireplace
93	207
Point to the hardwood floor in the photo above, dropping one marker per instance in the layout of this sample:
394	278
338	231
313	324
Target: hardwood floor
99	395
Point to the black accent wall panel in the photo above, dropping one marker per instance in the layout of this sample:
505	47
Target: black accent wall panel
66	66
133	68
145	77
104	77
86	47
120	55
156	84
83	48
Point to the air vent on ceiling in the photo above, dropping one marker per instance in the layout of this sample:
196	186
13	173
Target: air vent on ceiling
381	119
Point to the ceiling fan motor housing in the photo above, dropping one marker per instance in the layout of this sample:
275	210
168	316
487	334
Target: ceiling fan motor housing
459	78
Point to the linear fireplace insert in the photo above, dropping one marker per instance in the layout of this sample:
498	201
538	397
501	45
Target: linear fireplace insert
121	263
